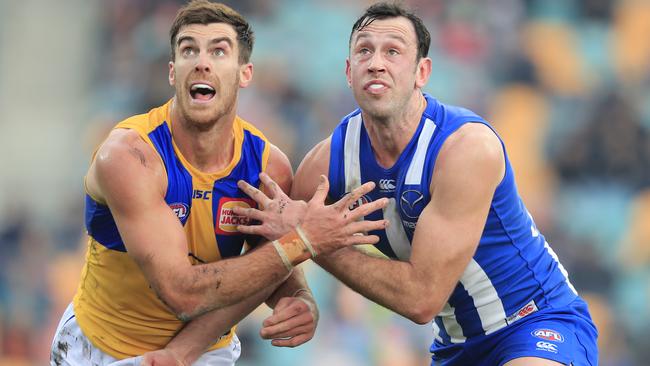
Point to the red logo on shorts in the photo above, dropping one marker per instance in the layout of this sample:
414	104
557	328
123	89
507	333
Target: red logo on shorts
227	221
524	311
549	335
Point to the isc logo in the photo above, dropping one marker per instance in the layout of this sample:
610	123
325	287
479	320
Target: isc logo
227	221
549	335
198	194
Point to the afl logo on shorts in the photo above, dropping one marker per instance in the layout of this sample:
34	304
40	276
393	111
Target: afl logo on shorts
227	221
549	335
412	203
180	209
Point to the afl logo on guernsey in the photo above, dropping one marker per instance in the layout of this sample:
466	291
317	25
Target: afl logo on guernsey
412	203
180	209
361	201
227	221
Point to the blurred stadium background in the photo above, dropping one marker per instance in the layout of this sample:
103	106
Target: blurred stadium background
565	82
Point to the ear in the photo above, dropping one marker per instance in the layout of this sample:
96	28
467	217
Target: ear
245	75
348	75
172	74
423	72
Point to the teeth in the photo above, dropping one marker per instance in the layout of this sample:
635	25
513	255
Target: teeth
201	86
376	86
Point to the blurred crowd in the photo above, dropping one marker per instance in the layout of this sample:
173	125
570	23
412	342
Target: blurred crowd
566	83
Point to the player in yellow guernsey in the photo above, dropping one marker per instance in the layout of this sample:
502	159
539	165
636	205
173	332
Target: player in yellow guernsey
164	282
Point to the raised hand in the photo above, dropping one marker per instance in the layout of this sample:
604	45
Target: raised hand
293	322
327	227
279	213
331	227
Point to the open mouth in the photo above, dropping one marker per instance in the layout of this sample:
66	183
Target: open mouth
202	92
375	87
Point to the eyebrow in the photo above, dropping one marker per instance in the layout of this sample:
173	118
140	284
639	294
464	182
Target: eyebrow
212	41
366	35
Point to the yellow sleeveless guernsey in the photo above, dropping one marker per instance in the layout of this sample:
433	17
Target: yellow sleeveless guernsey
114	305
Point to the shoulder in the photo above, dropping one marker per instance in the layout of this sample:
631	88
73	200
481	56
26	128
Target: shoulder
122	144
474	136
473	149
315	164
123	158
279	168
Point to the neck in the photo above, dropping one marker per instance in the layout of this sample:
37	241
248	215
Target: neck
390	135
209	147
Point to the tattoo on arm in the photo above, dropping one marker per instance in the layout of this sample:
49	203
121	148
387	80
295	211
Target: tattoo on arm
138	154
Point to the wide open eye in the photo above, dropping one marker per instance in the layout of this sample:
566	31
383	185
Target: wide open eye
187	51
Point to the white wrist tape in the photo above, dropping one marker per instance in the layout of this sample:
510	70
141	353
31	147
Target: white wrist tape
304	239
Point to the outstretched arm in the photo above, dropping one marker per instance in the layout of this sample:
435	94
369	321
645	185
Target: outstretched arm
468	169
128	175
295	310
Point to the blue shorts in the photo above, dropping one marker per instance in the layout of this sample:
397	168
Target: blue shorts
565	335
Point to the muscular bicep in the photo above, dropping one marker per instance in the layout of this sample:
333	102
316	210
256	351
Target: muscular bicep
130	178
468	170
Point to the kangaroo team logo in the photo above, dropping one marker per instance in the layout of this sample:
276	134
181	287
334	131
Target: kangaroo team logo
411	202
227	221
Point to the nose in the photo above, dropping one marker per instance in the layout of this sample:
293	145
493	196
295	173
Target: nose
202	63
376	63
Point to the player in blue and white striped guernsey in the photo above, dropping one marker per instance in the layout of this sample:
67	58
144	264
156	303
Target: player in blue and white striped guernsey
466	252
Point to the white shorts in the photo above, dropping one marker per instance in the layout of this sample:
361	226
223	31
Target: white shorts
71	347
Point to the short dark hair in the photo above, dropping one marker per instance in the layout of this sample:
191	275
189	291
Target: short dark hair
385	10
206	12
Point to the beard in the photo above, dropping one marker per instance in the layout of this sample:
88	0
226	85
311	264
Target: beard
205	117
378	110
383	110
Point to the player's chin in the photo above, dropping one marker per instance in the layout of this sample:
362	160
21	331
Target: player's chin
203	115
376	107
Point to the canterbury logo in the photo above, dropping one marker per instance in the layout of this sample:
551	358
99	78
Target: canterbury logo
387	184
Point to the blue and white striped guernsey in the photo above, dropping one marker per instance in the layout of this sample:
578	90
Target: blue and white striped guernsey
513	273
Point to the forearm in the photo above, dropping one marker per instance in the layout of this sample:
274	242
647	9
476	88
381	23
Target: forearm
393	284
205	330
292	286
207	287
